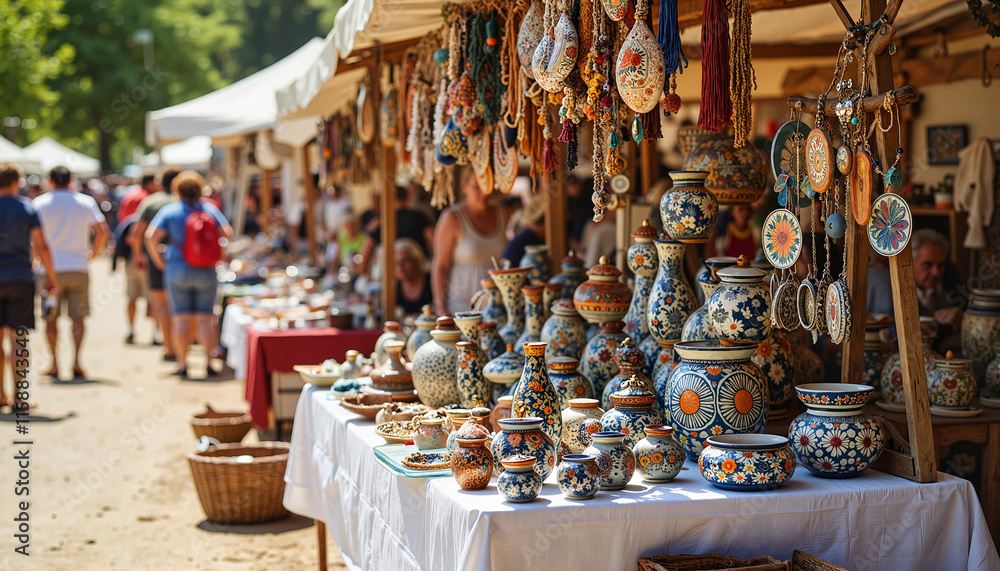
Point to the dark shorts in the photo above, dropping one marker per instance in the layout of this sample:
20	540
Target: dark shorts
17	305
155	277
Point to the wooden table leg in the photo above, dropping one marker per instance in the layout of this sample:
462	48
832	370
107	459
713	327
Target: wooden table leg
321	544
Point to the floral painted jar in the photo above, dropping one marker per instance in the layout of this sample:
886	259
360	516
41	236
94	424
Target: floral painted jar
981	328
490	303
597	363
564	332
472	463
875	353
509	282
519	483
575	436
658	456
715	390
643	262
630	362
992	380
776	360
393	376
503	409
834	438
568	381
689	210
740	308
578	476
698	326
434	365
602	297
430	433
634	410
504	372
671	301
490	341
891	379
535	395
536	257
736	175
469	366
615	460
951	383
533	317
524	436
422	334
572	275
390	331
747	462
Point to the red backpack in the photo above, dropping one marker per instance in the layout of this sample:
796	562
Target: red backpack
201	240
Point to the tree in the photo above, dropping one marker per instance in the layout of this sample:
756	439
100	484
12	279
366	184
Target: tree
275	29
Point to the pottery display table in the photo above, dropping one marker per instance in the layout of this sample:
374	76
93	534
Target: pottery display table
383	521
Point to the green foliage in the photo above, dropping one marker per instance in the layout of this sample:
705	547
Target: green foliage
327	10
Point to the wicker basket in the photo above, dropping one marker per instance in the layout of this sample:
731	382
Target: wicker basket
225	427
241	490
710	562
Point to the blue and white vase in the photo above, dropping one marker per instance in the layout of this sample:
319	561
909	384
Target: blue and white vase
572	275
688	209
434	366
509	284
661	379
422	334
469	366
651	350
747	462
615	460
569	383
564	332
524	436
671	301
951	383
740	308
658	456
776	360
597	363
634	410
519	483
392	330
537	258
578	476
576	437
643	261
698	327
489	302
504	372
490	341
533	317
535	395
630	362
834	438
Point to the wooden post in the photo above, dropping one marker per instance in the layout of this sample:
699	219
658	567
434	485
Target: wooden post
310	197
266	199
388	232
321	544
555	207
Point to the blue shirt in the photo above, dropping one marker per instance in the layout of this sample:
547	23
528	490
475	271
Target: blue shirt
172	218
17	219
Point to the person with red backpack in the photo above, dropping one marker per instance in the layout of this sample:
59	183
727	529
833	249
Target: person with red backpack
196	232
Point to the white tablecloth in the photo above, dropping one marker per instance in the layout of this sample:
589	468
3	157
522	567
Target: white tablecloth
383	521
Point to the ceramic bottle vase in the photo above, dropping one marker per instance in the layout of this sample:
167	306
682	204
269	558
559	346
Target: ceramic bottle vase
671	301
537	258
490	303
535	395
981	328
615	461
688	209
572	275
740	307
533	318
472	463
715	389
951	384
597	363
891	379
434	366
391	330
658	456
490	341
422	334
634	408
519	483
602	297
524	436
643	262
776	360
576	437
393	376
509	284
875	353
834	438
564	332
630	362
469	366
568	381
698	327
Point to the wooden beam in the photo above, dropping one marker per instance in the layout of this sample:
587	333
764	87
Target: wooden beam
266	199
969	65
904	96
310	197
388	230
778	51
957	27
321	544
365	57
689	11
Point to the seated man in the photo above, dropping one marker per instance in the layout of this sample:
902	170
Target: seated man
938	287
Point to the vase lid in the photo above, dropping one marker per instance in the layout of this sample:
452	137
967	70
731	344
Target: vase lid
742	272
583	403
563	364
612	326
628	356
519	461
563	307
533	289
445	328
392	326
426	319
537	248
952	363
352	355
645	232
472	430
633	394
572	260
604	270
714	351
715	264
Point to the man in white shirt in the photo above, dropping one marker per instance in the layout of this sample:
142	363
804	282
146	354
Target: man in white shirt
68	218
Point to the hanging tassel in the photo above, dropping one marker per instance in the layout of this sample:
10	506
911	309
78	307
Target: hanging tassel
548	157
716	106
742	79
672	101
669	36
568	132
651	126
571	150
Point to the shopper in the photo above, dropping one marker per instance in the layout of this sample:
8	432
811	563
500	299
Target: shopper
189	225
136	278
413	282
69	218
130	202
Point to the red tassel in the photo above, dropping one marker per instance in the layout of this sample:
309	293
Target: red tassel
548	157
716	106
651	131
568	133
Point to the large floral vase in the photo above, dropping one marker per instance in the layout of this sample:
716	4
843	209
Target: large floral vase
524	436
434	366
535	395
509	284
643	261
689	210
834	438
671	301
469	366
564	332
597	363
776	360
736	175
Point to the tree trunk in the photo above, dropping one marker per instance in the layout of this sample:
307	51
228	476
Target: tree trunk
104	140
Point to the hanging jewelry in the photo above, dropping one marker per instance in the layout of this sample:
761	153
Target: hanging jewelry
839	311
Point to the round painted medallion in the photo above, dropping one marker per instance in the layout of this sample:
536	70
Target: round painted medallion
788	151
784	308
781	238
890	225
838	312
806	300
861	187
820	160
845	159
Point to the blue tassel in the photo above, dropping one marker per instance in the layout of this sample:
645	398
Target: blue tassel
669	37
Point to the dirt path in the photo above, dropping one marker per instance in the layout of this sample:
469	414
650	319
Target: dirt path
110	487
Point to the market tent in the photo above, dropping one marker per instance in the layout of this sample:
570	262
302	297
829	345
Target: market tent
49	153
246	106
9	152
193	153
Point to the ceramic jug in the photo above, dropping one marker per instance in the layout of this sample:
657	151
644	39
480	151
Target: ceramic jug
615	461
891	379
740	308
576	436
489	302
643	262
524	436
391	330
490	341
564	332
671	301
472	463
951	384
393	376
509	283
658	456
689	210
430	433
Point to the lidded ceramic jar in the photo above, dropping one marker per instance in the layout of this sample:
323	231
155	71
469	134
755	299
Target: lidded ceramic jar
393	376
469	366
422	334
634	410
736	175
689	210
602	297
504	372
519	482
576	436
981	328
533	318
571	276
535	395
951	383
747	462
434	365
564	331
715	390
891	379
834	438
740	308
490	303
658	456
698	326
536	257
490	341
430	433
524	436
578	476
465	426
671	301
615	460
597	363
643	262
776	360
568	381
472	462
509	284
630	362
992	380
875	353
391	330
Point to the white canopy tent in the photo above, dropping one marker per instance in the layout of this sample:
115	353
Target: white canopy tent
49	153
11	153
192	153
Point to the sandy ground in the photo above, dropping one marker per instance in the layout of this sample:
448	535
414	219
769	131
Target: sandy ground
110	487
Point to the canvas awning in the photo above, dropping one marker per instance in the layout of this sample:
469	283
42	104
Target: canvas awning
193	153
11	153
49	153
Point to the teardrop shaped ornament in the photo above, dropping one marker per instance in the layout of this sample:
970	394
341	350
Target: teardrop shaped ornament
565	48
639	69
616	9
540	64
529	34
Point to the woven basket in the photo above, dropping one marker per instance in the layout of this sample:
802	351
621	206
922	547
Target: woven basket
236	491
225	427
710	562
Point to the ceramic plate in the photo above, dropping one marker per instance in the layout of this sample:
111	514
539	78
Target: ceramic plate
390	456
890	225
956	412
838	312
786	155
861	187
784	307
820	159
427	461
781	238
891	407
989	402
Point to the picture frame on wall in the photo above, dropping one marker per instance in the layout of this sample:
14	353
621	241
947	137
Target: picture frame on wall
944	142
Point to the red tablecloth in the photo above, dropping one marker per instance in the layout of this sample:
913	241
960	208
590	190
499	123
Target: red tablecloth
270	351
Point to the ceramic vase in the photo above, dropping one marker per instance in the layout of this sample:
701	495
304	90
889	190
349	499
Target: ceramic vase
981	328
643	262
715	389
550	295
615	460
576	436
391	331
532	316
578	477
834	438
535	395
501	410
597	363
634	410
472	463
572	275
747	462
350	368
602	297
891	379
519	483
468	322
689	210
875	353
472	384
740	308
630	361
776	360
434	366
951	383
537	258
524	436
992	376
658	456
393	376
564	332
455	418
422	334
504	372
569	383
671	301
490	341
489	302
698	327
651	350
430	433
736	175
661	378
509	282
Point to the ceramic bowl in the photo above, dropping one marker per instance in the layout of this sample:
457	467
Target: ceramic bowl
747	462
396	432
834	397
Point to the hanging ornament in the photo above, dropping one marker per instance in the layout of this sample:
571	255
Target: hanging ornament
543	55
742	79
671	101
861	187
669	37
529	35
389	113
716	105
639	69
453	145
637	130
616	9
492	36
480	153
820	160
565	44
890	225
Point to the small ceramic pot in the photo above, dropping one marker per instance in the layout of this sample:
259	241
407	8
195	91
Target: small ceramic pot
391	331
509	283
688	209
434	366
537	258
698	327
634	410
875	353
533	319
572	275
615	461
568	381
578	476
643	262
891	379
393	376
504	372
658	456
575	437
524	436
630	362
535	395
747	462
519	483
490	341
992	378
602	297
469	366
740	308
981	328
472	463
564	332
597	363
502	410
490	304
422	334
834	438
671	301
776	360
950	383
430	433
